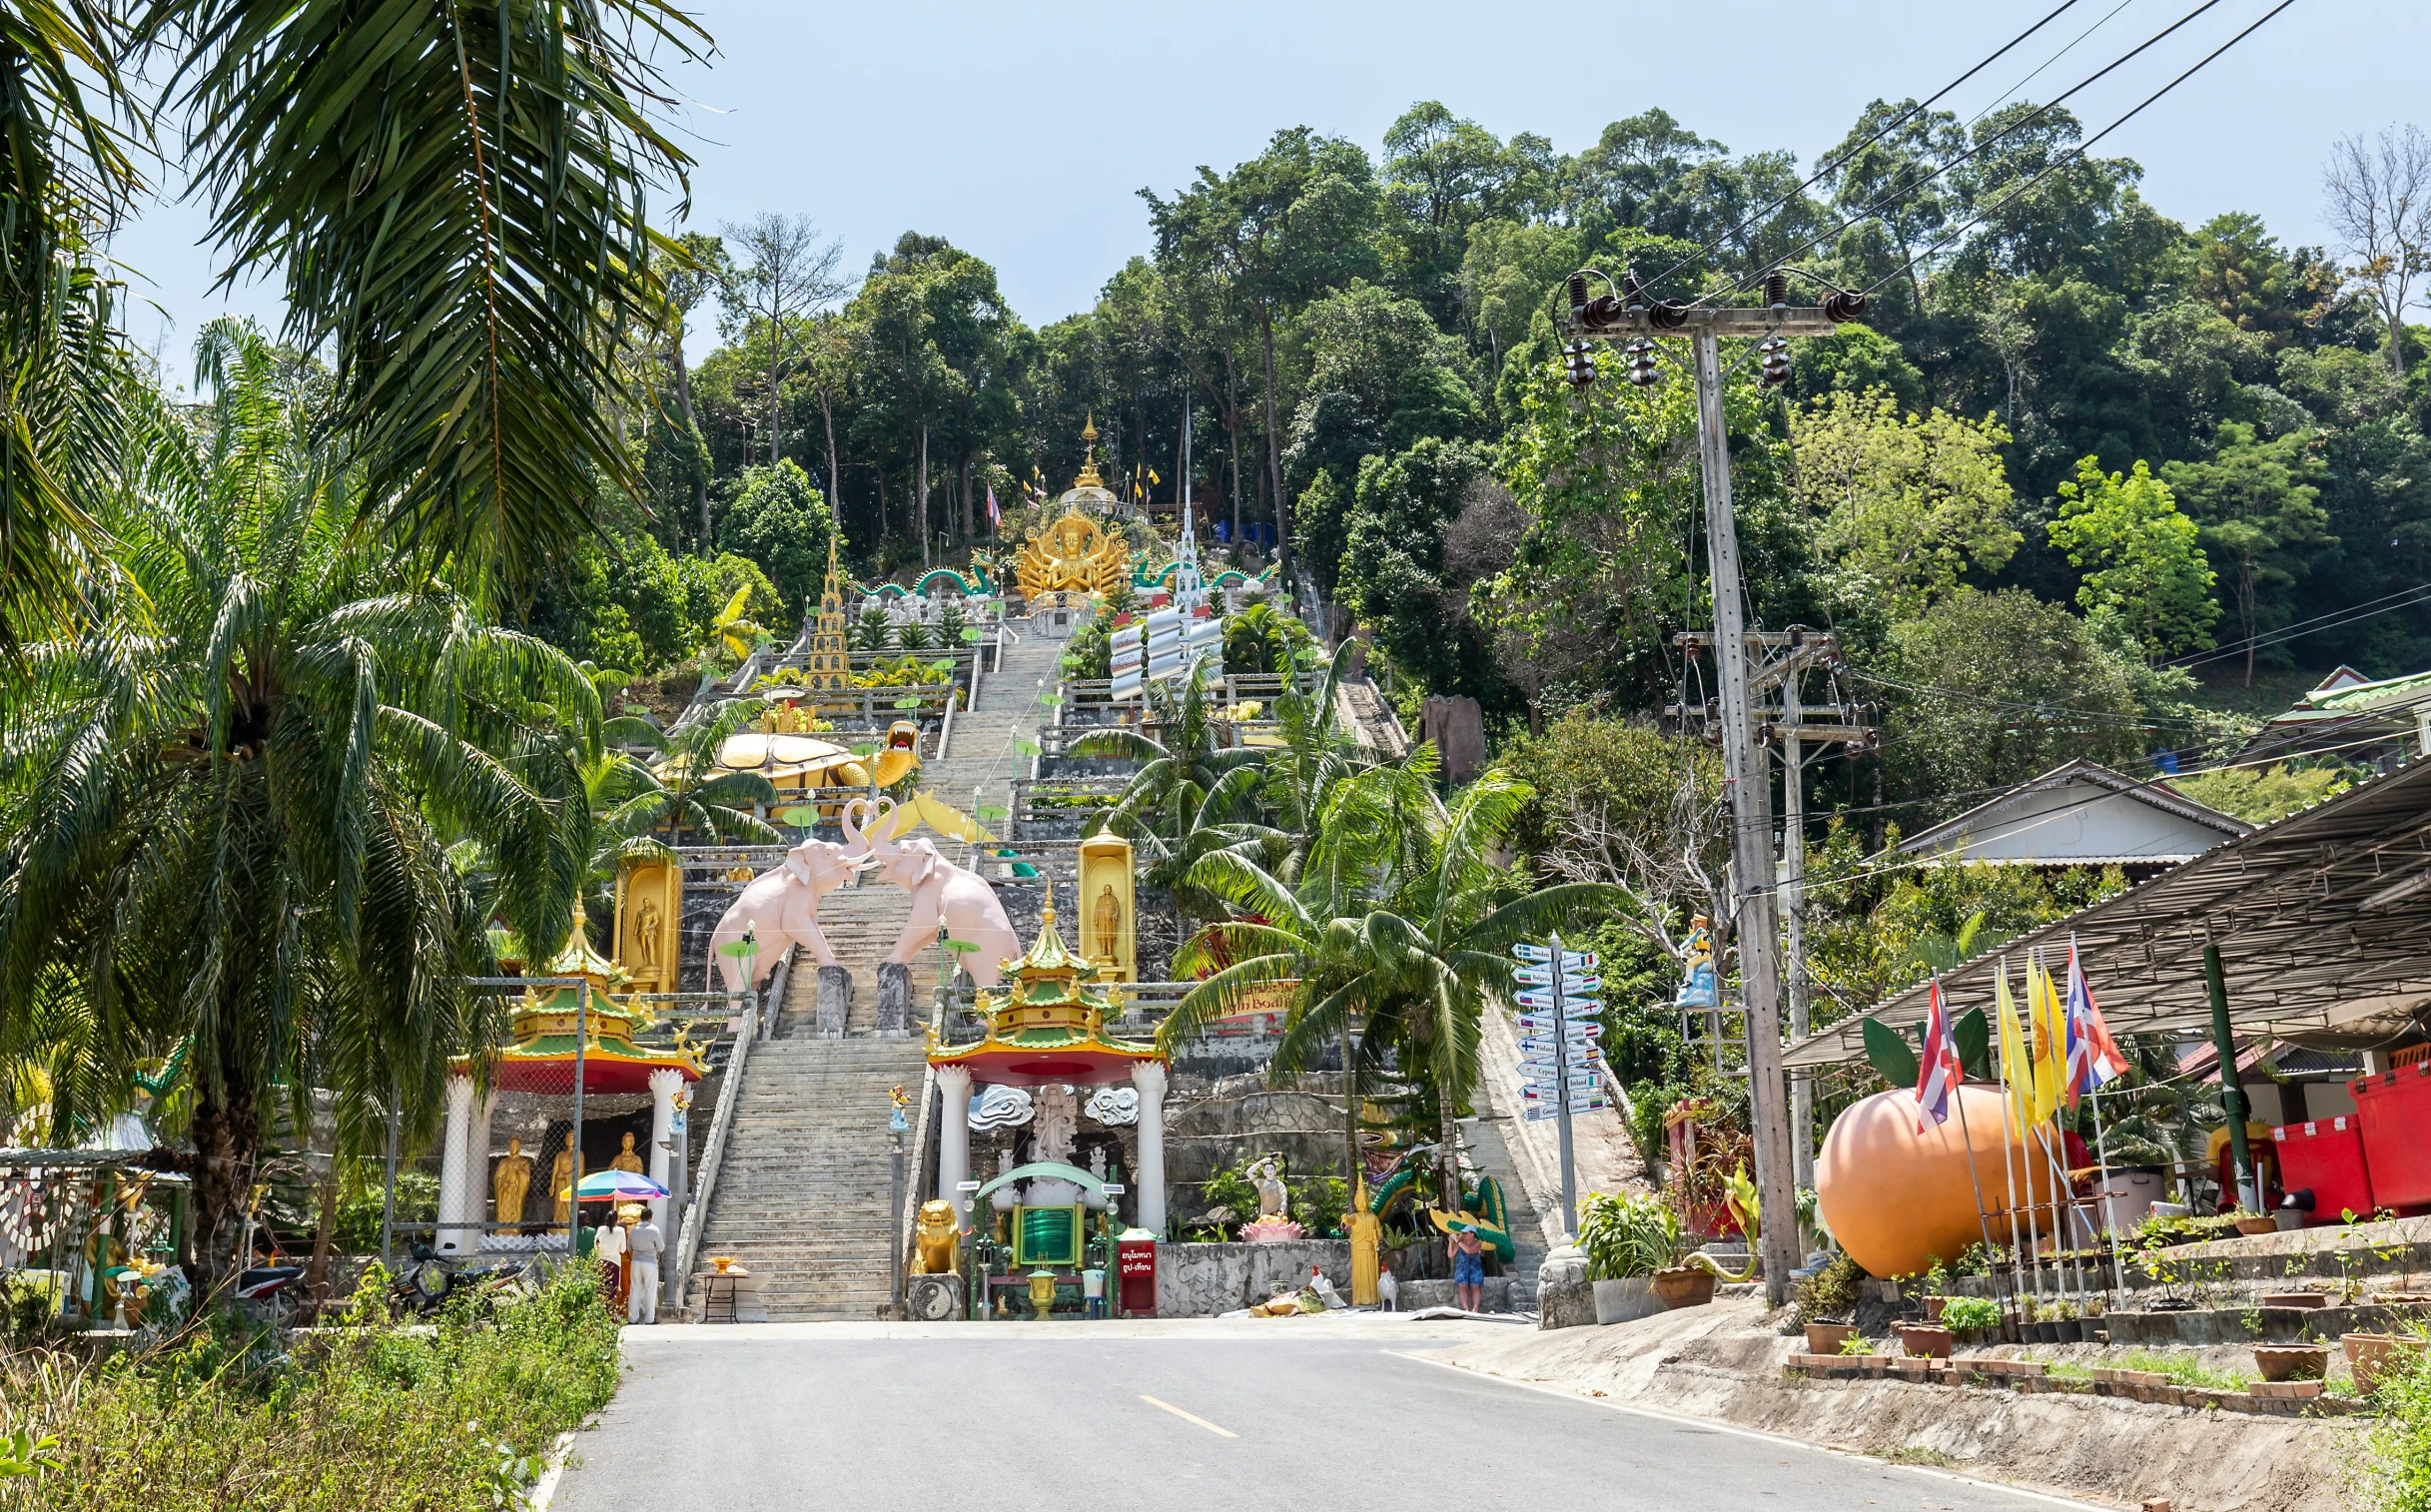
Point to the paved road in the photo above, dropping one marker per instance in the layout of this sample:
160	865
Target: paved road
997	1418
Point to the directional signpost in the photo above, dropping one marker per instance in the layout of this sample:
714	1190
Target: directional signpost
1560	1069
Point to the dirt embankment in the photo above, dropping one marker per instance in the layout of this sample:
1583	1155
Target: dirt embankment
1724	1363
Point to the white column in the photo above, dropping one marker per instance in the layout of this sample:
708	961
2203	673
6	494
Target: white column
455	1160
1149	1077
665	1083
954	1137
476	1169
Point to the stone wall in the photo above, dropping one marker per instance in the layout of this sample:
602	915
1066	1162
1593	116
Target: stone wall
1230	1122
1205	1280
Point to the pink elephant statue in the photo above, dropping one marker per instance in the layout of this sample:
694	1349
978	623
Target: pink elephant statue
781	907
941	892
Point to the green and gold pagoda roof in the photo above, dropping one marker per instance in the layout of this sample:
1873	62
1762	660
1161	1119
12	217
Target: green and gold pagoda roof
1048	1024
542	1059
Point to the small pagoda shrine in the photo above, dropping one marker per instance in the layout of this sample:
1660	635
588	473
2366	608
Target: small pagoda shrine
1047	1031
539	1068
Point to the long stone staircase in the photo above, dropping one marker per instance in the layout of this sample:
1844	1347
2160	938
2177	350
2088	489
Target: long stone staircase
803	1187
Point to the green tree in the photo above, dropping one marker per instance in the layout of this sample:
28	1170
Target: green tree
1399	924
1903	507
230	807
2259	507
780	519
2260	795
2147	576
1984	690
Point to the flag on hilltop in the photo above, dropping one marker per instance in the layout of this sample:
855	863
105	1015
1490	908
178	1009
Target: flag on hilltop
2095	1060
1937	1080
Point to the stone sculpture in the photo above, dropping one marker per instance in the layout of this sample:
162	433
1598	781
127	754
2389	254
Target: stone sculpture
1273	1226
781	907
941	893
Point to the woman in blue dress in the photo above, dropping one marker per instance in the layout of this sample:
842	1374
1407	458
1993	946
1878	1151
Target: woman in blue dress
1468	1270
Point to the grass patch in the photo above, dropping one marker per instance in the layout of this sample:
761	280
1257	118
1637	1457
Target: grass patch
374	1418
2183	1371
1918	1454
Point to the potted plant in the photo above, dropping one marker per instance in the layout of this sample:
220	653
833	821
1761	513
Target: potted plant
2067	1327
2373	1358
1826	1338
1936	1290
1925	1341
1971	1318
2292	1362
1626	1240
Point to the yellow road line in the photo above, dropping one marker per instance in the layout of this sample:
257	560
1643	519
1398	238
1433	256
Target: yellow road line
1191	1418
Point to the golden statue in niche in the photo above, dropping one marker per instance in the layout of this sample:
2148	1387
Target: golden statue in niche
1106	927
627	1158
561	1183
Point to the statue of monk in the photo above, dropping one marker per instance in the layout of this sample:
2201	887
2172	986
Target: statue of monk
510	1182
562	1178
626	1158
1106	921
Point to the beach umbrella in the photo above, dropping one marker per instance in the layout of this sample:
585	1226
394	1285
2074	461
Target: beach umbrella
618	1186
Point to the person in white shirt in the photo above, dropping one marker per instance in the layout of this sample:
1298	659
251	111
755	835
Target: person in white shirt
642	1243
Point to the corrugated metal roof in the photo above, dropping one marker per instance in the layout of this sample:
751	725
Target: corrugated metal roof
2312	929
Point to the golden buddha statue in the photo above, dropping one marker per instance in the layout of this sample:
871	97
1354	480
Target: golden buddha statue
1075	553
1105	924
510	1182
626	1158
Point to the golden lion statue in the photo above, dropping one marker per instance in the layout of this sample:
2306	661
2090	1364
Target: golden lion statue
935	1238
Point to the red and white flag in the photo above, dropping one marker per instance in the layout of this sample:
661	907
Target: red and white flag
1937	1078
2094	1059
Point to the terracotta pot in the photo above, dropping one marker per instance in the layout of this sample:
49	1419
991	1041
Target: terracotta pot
2249	1227
2292	1362
1684	1286
1825	1338
2371	1357
1925	1341
2295	1300
1933	1305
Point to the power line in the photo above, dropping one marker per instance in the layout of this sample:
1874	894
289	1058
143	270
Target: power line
2005	95
2082	148
1908	190
1824	168
2337	620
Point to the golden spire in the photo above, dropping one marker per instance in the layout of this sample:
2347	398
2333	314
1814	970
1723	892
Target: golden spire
1088	465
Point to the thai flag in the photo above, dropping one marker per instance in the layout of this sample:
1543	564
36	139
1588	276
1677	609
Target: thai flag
994	519
2095	1060
1940	1074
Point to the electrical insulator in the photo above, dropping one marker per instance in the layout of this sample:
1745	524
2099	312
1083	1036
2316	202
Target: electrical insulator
1842	306
1777	290
1579	358
1578	294
1641	365
1776	360
1633	293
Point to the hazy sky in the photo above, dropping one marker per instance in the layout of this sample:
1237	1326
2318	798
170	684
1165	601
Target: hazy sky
1023	131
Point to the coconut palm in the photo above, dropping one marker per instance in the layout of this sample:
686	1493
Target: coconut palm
1401	923
230	800
1182	766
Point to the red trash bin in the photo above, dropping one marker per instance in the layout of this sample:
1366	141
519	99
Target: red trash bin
2326	1156
1136	1263
2394	1108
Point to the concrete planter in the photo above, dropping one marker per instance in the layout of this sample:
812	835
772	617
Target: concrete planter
1626	1301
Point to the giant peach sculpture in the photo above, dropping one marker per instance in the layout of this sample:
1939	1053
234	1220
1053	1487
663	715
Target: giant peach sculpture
1897	1200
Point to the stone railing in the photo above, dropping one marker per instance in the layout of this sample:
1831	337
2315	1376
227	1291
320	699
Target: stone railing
721	1123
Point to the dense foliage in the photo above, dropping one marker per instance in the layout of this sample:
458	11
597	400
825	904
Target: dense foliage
375	1418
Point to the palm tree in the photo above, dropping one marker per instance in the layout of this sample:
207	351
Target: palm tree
1401	923
642	809
481	296
1180	766
230	801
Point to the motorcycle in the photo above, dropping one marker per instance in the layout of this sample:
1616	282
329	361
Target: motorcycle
270	1292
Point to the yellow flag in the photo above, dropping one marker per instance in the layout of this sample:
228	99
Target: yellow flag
2015	1069
2039	1003
1153	477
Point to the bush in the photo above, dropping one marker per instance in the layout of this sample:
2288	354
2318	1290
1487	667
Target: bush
2396	1475
1832	1291
1969	1313
1626	1236
374	1418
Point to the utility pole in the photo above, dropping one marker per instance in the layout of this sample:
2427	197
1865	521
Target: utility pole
1747	774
